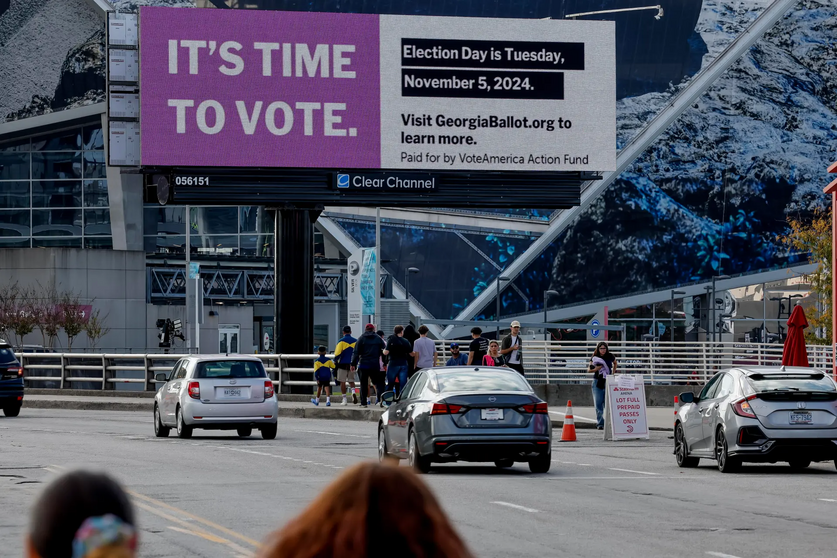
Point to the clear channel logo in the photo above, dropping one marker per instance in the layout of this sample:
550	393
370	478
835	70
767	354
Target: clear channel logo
342	180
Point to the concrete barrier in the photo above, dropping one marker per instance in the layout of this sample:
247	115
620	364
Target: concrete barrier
582	394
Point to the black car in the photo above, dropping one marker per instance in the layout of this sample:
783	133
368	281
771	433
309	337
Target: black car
11	381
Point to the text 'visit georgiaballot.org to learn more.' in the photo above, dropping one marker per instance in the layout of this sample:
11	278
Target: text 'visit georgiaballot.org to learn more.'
396	92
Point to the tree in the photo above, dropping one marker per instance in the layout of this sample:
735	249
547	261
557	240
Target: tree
8	308
44	305
24	317
96	328
815	237
70	318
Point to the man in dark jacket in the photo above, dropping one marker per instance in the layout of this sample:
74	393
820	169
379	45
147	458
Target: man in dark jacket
400	353
367	359
512	348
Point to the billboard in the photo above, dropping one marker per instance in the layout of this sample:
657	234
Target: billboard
244	88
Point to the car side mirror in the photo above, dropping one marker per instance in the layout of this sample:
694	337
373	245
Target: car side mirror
388	396
687	397
160	377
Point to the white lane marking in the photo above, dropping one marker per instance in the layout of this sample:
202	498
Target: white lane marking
575	416
721	554
826	500
515	506
632	471
557	478
585	464
332	434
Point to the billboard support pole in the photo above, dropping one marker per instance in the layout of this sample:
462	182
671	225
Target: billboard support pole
377	266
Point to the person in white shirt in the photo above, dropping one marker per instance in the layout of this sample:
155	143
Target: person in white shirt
512	348
425	350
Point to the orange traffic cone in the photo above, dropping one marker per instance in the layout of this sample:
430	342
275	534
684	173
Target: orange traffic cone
568	433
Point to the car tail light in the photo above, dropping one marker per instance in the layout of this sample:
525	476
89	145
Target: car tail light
15	370
268	389
535	408
742	407
195	390
446	409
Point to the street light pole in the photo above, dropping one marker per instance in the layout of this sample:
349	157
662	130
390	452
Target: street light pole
497	313
714	325
545	306
671	312
407	273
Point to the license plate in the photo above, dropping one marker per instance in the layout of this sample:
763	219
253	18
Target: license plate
491	414
801	418
231	393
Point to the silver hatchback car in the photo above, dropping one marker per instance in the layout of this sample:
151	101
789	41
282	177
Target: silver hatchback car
758	414
466	414
216	392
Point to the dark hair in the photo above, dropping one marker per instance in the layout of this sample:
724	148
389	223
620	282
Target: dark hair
347	329
476	330
321	349
380	333
607	356
67	502
423	330
371	510
396	330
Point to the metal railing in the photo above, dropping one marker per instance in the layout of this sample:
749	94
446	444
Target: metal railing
565	362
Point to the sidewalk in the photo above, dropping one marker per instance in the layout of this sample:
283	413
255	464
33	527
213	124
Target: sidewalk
659	418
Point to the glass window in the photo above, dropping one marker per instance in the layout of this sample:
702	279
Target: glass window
181	372
93	138
164	220
215	220
56	222
60	165
418	385
96	193
98	242
56	193
231	369
14	166
7	242
224	245
66	242
257	245
94	164
14	194
65	140
165	244
791	382
14	223
14	146
97	222
727	387
481	381
255	219
710	388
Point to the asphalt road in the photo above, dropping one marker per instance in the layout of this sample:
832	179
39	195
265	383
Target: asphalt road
218	496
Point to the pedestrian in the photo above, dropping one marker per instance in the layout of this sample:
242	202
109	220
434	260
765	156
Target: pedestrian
478	347
367	361
343	354
372	510
602	365
457	358
425	350
323	368
512	348
399	352
411	335
493	358
82	515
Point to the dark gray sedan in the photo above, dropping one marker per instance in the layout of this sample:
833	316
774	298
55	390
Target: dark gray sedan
466	413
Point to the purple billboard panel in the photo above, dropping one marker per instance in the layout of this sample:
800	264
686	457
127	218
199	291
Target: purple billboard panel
241	88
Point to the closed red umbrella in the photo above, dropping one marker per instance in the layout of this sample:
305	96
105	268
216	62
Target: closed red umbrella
794	353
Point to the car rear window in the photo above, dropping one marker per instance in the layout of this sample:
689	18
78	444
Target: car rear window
791	382
7	355
481	381
231	369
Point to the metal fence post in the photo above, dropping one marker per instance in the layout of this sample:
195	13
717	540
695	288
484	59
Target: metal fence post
148	377
63	372
104	372
703	360
283	377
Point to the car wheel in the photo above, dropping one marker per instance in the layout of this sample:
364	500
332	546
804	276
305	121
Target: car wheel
419	463
183	431
383	450
244	431
681	452
726	464
12	410
269	431
504	463
160	430
799	463
541	463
